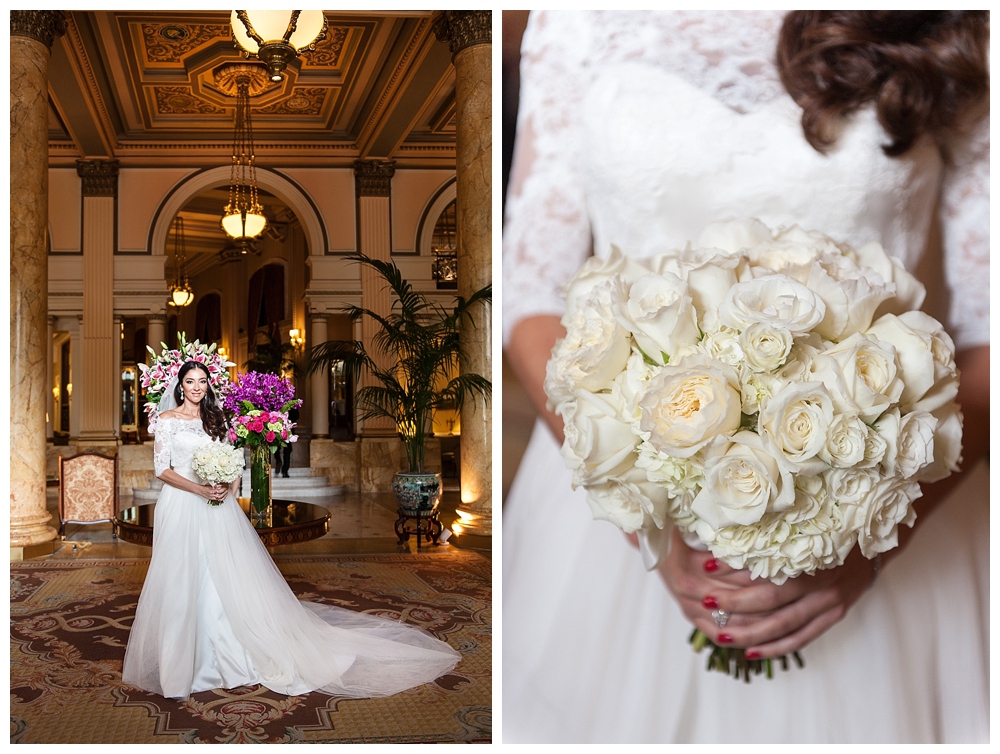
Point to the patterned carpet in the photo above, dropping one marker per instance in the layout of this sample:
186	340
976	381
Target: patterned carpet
69	628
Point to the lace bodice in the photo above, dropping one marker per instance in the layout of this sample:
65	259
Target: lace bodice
176	442
639	128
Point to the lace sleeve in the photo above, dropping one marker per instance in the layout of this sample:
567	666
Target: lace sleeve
546	233
965	221
163	445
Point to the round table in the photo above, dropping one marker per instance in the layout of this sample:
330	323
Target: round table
290	522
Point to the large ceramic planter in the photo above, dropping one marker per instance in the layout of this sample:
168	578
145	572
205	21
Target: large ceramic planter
417	493
260	484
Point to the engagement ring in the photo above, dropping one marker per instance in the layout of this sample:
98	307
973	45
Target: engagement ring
721	617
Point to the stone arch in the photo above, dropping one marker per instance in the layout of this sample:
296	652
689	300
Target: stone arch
425	228
283	188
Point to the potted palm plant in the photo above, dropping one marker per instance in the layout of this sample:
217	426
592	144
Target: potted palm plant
414	359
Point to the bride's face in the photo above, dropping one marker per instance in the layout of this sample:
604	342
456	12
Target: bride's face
194	385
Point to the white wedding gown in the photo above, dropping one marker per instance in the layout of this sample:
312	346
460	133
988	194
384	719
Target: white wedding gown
639	129
215	612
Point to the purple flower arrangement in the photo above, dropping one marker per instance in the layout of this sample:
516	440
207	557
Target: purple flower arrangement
259	403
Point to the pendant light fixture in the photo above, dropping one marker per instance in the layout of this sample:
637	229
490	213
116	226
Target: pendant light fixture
180	289
276	37
244	218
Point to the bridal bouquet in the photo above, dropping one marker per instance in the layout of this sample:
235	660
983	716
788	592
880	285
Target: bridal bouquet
218	463
775	395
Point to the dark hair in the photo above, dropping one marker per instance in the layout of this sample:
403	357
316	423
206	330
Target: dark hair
921	69
212	417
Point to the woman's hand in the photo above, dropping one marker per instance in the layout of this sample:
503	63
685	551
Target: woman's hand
765	619
215	491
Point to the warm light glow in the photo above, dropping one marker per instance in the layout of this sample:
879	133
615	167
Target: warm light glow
465	515
181	296
55	392
456	529
69	389
223	353
271	25
249	225
295	338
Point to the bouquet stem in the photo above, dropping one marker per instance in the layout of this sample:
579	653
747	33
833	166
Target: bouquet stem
733	661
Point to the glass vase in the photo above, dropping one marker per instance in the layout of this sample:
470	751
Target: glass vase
260	484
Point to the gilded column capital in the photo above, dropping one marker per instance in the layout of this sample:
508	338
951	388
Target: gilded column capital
464	28
373	177
100	177
161	318
42	25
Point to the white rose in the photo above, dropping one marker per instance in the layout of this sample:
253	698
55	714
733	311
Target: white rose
766	347
776	300
631	385
734	235
909	291
598	443
846	442
947	444
861	375
889	504
723	345
942	348
597	271
688	404
851	300
630	502
875	448
915	444
660	315
742	482
708	273
594	350
913	353
797	419
850	488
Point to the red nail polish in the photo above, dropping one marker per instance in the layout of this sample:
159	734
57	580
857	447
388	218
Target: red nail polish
724	639
711	565
710	602
752	655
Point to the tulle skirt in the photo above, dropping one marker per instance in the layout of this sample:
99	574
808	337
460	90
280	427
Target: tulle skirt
215	612
595	649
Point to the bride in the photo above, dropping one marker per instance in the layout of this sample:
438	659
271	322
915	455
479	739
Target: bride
638	130
215	612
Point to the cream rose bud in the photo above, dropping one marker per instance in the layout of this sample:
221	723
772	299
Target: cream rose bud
913	353
766	347
776	300
797	420
597	271
947	444
595	349
598	443
888	506
846	442
660	315
743	481
688	404
628	501
861	376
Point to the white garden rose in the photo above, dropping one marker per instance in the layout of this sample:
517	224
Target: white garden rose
861	376
913	354
742	482
846	442
688	404
889	505
595	348
660	315
598	443
776	300
766	347
797	419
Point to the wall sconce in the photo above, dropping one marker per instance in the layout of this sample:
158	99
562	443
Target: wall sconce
69	389
295	338
55	392
223	353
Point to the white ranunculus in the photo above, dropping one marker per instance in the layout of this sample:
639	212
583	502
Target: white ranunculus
597	271
742	482
947	444
797	419
599	443
846	442
913	353
660	315
688	404
888	506
776	300
766	347
861	375
595	348
628	501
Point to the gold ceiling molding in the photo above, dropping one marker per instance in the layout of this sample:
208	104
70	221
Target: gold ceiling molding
179	100
170	42
327	52
227	78
305	100
94	96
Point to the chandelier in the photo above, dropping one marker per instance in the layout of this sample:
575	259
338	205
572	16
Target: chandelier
275	37
244	217
180	289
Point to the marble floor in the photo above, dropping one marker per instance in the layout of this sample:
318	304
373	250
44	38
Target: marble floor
359	523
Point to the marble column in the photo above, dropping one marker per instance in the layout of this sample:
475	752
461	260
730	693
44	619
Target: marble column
98	387
469	35
32	33
156	332
50	403
372	180
319	385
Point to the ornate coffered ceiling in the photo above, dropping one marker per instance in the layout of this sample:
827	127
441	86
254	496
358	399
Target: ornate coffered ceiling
142	88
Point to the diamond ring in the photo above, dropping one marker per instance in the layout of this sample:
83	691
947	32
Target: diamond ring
721	617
